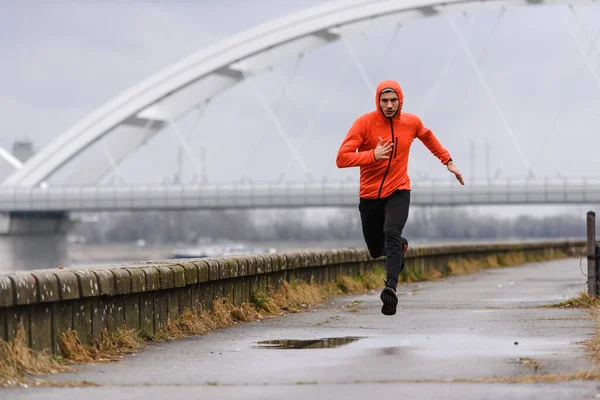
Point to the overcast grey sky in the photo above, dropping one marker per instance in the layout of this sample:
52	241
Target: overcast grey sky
62	59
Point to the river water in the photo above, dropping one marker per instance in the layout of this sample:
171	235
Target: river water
44	254
41	253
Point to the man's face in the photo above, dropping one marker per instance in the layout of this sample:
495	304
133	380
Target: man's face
389	104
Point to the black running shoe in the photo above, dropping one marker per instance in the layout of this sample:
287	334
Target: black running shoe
390	301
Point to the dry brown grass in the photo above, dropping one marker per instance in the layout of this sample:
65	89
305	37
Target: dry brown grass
592	304
414	274
350	285
18	362
200	321
465	266
591	375
583	300
291	296
541	378
34	382
492	261
298	295
593	344
108	347
514	258
468	265
530	363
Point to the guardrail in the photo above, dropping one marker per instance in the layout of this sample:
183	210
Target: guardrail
229	196
143	295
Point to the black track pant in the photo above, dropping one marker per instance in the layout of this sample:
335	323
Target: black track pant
382	223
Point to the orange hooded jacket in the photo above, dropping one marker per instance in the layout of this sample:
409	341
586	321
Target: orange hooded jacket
378	179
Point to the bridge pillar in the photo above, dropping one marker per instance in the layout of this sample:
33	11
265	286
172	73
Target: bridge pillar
34	240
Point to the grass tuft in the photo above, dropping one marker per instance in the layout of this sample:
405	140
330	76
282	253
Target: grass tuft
583	300
18	362
108	347
586	302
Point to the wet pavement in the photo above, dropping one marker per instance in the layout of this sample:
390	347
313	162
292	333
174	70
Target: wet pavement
485	325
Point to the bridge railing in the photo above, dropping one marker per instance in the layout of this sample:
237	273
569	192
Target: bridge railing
343	194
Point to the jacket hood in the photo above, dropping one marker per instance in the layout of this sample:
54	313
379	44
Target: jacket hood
392	85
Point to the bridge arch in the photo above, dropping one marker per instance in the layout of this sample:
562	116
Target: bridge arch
147	107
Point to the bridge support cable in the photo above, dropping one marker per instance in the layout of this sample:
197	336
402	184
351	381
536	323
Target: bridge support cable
433	90
185	145
559	113
228	120
278	126
556	71
387	48
368	82
114	168
113	163
550	77
491	97
266	129
586	57
432	93
379	64
200	111
484	47
310	131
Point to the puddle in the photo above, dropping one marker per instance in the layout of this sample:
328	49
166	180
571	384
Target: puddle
439	346
326	343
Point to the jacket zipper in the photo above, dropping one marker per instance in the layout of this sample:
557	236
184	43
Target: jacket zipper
389	161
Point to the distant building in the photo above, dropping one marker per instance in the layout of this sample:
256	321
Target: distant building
22	150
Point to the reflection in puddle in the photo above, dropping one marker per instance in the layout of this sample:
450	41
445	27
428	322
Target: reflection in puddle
327	343
469	344
391	351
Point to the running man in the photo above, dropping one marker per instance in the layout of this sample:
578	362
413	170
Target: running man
379	143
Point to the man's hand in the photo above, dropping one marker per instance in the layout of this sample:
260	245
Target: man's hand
452	168
382	151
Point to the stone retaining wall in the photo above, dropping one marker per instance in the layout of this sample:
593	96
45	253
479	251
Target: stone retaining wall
143	295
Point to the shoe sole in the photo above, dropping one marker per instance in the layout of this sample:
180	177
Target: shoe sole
390	301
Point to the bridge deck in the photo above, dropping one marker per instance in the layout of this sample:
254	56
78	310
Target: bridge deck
116	198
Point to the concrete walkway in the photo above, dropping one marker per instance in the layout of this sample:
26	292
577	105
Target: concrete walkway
484	325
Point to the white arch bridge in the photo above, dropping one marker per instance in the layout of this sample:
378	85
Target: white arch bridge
34	207
129	120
